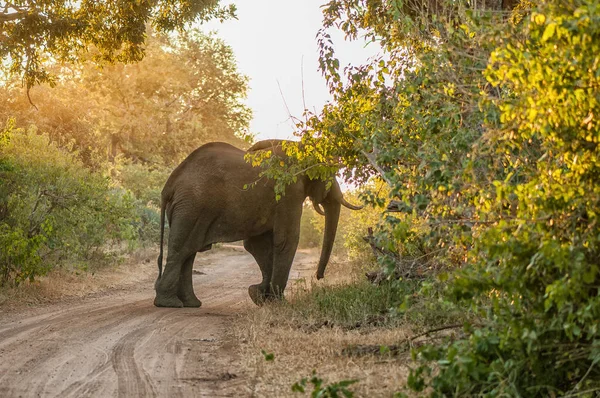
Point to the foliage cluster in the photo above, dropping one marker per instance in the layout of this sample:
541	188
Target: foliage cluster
481	119
320	389
53	209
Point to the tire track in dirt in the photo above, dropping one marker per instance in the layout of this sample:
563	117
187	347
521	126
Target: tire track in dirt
131	381
119	344
55	348
46	341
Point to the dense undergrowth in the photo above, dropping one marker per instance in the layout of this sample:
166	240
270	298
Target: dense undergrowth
54	211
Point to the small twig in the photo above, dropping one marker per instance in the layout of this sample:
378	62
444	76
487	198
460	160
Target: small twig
29	98
291	117
395	349
583	392
430	253
302	74
371	158
313	166
473	221
579	383
435	330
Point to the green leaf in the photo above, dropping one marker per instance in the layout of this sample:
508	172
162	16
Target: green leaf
268	356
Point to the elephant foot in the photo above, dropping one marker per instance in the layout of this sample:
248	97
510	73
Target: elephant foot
165	301
192	302
259	296
256	294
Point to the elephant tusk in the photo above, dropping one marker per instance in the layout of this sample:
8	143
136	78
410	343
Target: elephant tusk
349	205
318	208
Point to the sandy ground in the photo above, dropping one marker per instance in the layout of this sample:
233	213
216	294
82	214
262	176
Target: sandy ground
118	344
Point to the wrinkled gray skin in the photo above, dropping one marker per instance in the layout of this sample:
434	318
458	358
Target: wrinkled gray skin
205	203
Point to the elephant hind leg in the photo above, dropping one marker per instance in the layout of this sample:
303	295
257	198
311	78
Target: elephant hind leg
164	298
187	237
184	236
261	248
185	288
166	285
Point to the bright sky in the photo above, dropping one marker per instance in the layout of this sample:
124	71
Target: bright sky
275	45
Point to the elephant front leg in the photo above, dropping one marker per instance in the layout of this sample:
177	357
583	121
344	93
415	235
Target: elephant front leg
185	290
285	242
261	248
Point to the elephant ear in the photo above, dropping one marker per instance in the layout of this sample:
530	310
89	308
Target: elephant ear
274	145
317	190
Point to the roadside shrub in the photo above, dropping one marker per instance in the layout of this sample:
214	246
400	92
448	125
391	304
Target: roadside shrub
347	305
19	258
536	268
53	209
359	303
320	389
148	223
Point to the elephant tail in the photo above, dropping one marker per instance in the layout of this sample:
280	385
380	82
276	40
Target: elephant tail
163	205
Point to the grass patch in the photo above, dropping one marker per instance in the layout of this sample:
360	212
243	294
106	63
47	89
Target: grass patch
347	306
361	304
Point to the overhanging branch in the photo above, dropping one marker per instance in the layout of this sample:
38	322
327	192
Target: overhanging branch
11	12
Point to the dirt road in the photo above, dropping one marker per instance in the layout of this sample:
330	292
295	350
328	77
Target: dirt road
119	344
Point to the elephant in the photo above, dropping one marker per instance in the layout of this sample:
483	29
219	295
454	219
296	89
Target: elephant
214	196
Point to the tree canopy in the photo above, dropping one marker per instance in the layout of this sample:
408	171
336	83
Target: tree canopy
186	92
36	34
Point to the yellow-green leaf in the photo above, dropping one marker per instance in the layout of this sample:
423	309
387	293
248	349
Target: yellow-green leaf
549	31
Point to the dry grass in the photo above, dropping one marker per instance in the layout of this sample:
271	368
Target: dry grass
62	284
299	348
298	353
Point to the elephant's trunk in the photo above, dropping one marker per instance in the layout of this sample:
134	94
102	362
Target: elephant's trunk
332	215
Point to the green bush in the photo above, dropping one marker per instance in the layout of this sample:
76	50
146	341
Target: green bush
145	183
347	305
321	390
53	209
148	223
536	268
19	258
418	304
